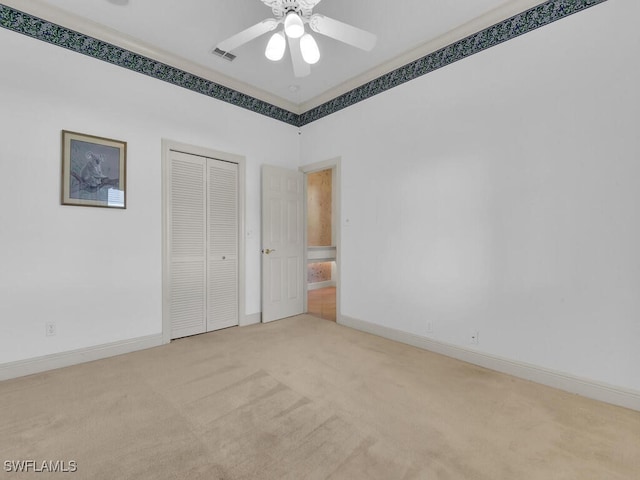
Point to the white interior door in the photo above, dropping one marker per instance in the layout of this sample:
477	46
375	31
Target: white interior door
282	243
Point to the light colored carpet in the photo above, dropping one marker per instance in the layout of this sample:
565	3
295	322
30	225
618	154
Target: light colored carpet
304	398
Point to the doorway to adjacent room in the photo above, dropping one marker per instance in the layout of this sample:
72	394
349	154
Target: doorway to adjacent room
321	239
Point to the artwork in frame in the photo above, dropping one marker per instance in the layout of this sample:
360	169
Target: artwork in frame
94	171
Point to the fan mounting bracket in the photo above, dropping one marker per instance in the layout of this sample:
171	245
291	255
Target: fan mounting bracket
281	8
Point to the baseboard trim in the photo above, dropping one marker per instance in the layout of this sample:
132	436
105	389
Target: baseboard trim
30	366
252	319
563	381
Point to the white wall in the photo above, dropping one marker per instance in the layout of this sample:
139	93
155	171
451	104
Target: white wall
498	194
97	272
502	194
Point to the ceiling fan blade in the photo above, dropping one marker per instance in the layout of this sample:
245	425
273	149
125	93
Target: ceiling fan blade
300	67
308	3
247	35
343	32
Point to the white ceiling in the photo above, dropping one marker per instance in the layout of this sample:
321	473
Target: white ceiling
184	32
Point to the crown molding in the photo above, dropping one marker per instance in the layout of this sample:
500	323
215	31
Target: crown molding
508	29
499	14
100	32
133	55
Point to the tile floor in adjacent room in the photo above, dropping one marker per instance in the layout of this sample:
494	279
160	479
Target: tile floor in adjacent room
322	303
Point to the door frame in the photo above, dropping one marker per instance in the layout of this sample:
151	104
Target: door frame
333	164
167	147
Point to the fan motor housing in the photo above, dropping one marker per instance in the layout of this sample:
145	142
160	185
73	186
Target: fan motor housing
284	7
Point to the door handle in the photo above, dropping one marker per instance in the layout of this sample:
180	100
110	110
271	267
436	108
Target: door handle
268	251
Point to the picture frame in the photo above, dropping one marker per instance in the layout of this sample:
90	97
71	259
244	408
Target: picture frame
94	171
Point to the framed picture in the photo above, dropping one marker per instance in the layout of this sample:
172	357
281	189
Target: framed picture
94	171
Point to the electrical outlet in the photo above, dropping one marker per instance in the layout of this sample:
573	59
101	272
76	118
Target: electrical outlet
475	337
429	327
50	329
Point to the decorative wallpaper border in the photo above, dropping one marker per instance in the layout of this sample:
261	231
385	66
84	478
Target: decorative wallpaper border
35	27
508	29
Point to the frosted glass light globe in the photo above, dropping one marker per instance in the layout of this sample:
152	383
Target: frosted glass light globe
276	47
293	25
309	48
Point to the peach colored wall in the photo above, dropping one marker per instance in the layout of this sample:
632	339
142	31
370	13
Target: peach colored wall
319	208
319	272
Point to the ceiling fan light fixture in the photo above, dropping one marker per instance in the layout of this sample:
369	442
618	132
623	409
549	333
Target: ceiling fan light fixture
293	25
309	49
276	47
294	15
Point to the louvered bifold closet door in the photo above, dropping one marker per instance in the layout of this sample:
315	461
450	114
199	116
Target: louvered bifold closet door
222	245
187	244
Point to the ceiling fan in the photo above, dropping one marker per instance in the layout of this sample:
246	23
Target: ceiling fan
294	14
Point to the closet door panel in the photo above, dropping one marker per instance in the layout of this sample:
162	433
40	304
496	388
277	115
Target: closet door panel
186	244
222	244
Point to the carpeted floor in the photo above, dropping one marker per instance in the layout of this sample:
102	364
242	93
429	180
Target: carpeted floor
304	398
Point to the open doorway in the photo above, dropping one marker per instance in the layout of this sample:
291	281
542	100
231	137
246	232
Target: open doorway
321	241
